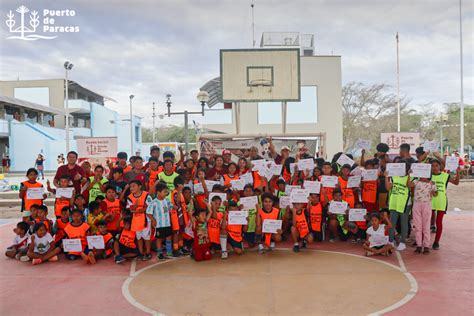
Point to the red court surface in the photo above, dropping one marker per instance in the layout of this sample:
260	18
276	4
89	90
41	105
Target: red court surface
444	279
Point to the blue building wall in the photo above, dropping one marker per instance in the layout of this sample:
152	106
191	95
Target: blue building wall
103	121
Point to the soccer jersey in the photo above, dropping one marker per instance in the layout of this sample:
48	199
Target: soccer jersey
160	210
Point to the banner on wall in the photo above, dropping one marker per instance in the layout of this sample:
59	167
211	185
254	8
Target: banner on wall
241	147
395	139
97	147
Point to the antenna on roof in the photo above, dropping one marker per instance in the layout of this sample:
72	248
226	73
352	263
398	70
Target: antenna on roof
253	24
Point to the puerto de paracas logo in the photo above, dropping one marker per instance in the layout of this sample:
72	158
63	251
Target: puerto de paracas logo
25	24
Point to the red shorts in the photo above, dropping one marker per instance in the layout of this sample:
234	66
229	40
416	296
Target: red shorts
371	207
202	252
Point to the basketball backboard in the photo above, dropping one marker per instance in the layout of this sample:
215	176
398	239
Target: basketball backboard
258	75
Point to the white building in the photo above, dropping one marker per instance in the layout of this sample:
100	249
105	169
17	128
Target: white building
319	112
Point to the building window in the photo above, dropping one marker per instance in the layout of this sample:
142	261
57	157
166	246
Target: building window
38	95
31	117
305	111
269	113
137	134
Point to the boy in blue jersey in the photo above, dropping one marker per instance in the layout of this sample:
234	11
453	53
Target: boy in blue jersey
159	211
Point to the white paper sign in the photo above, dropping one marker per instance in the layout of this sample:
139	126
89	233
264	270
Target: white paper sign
64	193
247	178
306	164
292	168
258	164
357	214
271	225
223	196
329	181
268	174
238	218
289	188
336	207
353	182
312	186
363	144
396	169
432	147
198	188
452	163
72	245
370	175
188	230
35	193
237	184
96	242
276	169
344	160
285	201
299	196
210	184
249	202
378	240
420	170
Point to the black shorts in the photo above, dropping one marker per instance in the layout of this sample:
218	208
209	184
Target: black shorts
125	250
317	235
249	238
163	232
235	244
215	246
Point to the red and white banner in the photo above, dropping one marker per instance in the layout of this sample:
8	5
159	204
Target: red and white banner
97	147
395	139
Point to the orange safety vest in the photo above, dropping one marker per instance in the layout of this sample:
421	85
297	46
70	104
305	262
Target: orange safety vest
273	214
113	207
175	225
347	193
107	237
59	204
257	180
60	225
139	219
234	231
153	177
316	217
286	175
127	238
214	228
301	224
369	191
27	203
79	232
228	178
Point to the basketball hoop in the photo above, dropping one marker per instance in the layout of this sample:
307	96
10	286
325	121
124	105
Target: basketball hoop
260	83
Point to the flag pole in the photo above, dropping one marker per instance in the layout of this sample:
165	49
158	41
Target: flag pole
398	87
461	105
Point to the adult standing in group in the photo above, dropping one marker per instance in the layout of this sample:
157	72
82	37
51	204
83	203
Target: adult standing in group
72	170
155	153
227	156
39	165
279	158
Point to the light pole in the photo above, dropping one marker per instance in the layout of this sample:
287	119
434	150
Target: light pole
202	97
461	106
442	123
67	66
154	130
398	87
131	126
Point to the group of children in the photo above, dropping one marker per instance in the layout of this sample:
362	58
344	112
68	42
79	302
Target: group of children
187	207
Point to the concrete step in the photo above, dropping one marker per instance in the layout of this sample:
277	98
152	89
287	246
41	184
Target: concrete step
16	203
14	195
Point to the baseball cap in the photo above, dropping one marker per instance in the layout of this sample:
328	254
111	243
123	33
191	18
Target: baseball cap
154	147
285	148
226	152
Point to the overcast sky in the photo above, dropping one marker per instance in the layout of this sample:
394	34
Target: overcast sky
151	48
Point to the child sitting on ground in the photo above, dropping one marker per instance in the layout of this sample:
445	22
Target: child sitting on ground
378	229
41	246
60	224
77	229
19	248
125	244
108	244
96	215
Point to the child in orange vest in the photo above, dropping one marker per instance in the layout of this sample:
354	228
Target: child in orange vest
300	228
32	175
108	244
42	217
235	232
179	217
60	224
267	212
138	202
112	205
125	245
315	212
215	224
77	229
61	201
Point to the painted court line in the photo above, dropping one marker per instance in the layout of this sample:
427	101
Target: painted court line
411	293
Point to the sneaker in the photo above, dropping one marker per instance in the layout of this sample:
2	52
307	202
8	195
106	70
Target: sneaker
418	250
167	256
146	257
369	254
261	249
18	256
36	261
24	259
272	245
140	257
353	240
435	246
426	251
160	256
332	240
53	259
303	246
401	246
119	259
296	248
359	240
433	229
224	255
185	251
177	253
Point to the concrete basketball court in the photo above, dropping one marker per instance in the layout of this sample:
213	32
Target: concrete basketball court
330	278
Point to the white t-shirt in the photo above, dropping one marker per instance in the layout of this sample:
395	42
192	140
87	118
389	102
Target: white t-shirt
42	244
21	242
381	231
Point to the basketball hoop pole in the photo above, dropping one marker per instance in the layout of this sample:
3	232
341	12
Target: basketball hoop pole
283	116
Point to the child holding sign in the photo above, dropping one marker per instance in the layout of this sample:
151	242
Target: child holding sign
300	229
31	184
424	191
378	231
108	244
235	231
61	201
77	229
267	212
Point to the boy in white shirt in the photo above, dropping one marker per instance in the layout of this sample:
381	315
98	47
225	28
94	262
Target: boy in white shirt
159	213
19	248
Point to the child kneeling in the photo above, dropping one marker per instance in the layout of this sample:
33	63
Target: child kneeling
125	245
